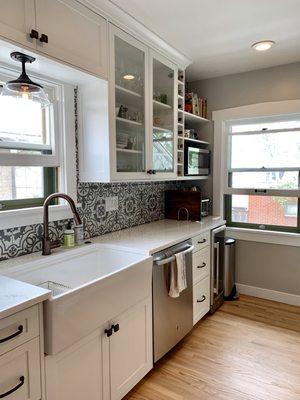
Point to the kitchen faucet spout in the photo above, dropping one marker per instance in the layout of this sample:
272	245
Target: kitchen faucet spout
47	244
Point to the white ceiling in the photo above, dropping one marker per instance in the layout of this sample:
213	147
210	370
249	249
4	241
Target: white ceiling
217	34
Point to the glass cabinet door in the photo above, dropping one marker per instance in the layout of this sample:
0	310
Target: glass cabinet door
129	94
164	115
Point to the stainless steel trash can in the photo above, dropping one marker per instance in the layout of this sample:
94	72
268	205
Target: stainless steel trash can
230	292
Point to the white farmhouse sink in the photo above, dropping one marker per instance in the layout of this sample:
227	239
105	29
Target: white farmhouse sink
89	286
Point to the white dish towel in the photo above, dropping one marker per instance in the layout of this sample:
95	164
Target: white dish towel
177	275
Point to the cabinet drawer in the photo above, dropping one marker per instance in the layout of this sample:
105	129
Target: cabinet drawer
18	328
20	372
201	241
201	303
201	264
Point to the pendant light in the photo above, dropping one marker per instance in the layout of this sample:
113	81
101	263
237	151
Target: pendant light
23	87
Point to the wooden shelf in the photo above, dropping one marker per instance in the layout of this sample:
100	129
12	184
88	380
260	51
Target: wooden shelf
128	121
127	91
194	118
129	151
160	105
195	140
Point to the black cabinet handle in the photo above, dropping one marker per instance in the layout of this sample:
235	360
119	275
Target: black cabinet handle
19	331
108	332
150	171
201	241
22	380
115	328
44	38
202	300
34	34
202	266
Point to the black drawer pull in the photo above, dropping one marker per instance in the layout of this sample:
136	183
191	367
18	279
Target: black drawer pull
19	331
22	380
201	241
116	327
202	300
202	266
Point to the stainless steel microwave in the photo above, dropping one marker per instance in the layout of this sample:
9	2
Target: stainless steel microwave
196	159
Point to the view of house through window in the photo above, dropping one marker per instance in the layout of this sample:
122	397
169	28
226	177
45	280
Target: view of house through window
264	157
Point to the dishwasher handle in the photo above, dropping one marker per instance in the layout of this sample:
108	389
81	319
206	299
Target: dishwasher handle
172	258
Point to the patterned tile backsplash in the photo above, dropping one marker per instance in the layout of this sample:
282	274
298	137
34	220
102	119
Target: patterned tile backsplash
138	203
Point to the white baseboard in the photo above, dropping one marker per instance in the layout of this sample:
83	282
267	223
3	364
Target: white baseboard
282	297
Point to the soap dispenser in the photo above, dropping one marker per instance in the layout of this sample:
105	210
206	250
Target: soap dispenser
69	236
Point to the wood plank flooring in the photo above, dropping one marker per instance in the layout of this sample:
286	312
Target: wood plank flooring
247	350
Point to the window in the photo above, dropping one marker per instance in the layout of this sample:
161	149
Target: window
29	153
263	173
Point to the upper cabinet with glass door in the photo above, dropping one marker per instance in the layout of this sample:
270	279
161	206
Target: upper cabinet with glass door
164	116
128	92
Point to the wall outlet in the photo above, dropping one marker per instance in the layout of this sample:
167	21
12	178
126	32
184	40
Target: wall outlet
111	203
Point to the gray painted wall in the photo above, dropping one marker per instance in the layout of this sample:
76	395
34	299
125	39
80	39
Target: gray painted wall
269	266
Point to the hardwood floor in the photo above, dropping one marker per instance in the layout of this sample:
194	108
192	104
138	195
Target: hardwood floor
247	350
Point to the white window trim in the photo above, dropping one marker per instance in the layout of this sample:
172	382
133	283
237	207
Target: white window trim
220	152
67	156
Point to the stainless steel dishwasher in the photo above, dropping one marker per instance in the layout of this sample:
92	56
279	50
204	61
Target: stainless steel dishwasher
172	317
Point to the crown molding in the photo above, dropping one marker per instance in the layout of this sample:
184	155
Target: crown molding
129	24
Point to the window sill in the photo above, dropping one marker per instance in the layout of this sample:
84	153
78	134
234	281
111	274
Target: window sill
31	216
256	235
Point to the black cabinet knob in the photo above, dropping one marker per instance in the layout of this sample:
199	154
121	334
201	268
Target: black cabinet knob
116	327
150	172
44	38
108	332
34	34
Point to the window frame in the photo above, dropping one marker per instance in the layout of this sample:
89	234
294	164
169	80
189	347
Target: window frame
221	188
54	91
64	157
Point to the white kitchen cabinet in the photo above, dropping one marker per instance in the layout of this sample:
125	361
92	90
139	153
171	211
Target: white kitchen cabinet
129	110
75	34
17	19
163	117
63	29
130	349
20	372
78	372
107	363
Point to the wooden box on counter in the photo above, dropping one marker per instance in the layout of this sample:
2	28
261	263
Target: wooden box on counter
183	200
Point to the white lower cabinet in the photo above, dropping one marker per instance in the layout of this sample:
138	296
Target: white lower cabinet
201	299
130	349
201	276
107	363
20	374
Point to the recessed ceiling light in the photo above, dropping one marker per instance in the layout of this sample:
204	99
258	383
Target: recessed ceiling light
129	77
263	45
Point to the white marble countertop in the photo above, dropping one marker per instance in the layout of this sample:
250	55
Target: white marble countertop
155	236
16	296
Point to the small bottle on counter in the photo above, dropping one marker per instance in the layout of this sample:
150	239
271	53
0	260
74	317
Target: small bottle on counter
69	236
79	237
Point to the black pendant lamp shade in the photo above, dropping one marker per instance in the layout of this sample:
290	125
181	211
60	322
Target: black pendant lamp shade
23	86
